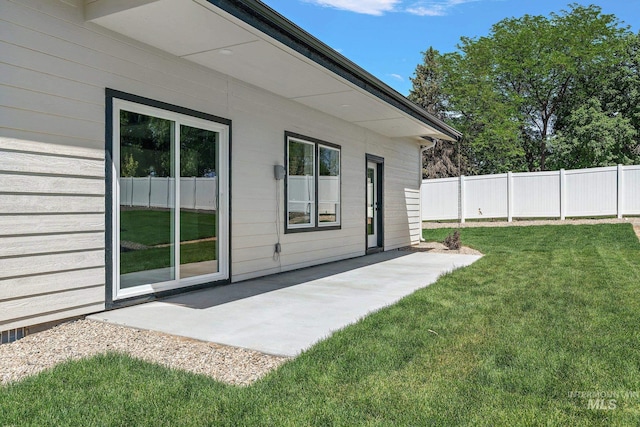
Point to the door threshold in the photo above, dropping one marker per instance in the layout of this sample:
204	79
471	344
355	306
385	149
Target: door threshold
374	250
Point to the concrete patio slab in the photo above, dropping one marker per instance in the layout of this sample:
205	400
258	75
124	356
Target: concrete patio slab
285	314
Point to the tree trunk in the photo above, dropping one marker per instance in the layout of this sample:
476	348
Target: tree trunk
543	144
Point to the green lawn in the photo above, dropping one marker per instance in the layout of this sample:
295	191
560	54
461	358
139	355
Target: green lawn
152	258
546	313
152	227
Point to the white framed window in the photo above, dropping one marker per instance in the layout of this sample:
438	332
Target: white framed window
313	184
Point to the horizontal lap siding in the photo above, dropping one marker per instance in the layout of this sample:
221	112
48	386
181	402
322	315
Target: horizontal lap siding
51	179
258	147
53	74
50	243
69	63
402	201
51	252
51	165
260	120
17	287
15	225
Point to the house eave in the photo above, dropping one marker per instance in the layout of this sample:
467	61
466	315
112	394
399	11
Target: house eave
270	22
256	18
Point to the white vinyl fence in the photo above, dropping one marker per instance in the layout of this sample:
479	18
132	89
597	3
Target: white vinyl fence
156	192
201	193
301	191
608	191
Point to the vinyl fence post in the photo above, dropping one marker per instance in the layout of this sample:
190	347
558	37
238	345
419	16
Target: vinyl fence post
169	192
461	204
563	198
195	193
620	190
509	196
131	195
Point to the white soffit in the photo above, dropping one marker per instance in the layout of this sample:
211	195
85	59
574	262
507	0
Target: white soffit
269	67
397	128
202	33
351	106
180	27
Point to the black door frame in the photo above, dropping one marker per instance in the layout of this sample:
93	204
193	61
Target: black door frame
379	161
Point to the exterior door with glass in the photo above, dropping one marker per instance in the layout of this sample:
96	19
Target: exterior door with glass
372	205
170	204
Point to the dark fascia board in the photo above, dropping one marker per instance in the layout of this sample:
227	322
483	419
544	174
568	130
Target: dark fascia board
276	26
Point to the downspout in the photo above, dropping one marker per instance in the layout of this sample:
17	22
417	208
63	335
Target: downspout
423	148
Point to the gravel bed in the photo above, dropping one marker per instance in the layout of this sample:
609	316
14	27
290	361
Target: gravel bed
437	247
85	338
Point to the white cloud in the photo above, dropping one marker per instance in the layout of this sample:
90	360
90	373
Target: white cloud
435	7
368	7
397	77
380	7
433	10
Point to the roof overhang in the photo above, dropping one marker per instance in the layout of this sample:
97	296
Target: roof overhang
252	43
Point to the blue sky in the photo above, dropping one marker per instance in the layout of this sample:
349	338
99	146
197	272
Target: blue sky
386	37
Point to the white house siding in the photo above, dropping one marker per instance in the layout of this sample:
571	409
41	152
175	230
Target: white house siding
53	73
401	205
259	144
51	232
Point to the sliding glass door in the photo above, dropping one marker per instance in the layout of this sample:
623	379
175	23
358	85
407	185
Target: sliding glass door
170	200
199	199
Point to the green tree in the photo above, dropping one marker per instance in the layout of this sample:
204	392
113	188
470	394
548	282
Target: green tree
427	84
444	159
129	165
593	138
600	123
508	92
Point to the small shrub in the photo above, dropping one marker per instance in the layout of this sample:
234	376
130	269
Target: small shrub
452	241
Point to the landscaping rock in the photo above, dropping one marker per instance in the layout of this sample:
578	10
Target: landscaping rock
85	338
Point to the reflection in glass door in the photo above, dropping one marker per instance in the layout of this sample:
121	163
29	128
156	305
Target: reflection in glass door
147	215
171	187
198	201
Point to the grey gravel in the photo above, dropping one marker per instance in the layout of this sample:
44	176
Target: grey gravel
437	247
85	338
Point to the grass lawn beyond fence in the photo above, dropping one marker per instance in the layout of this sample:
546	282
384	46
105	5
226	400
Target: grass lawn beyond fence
543	330
153	227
